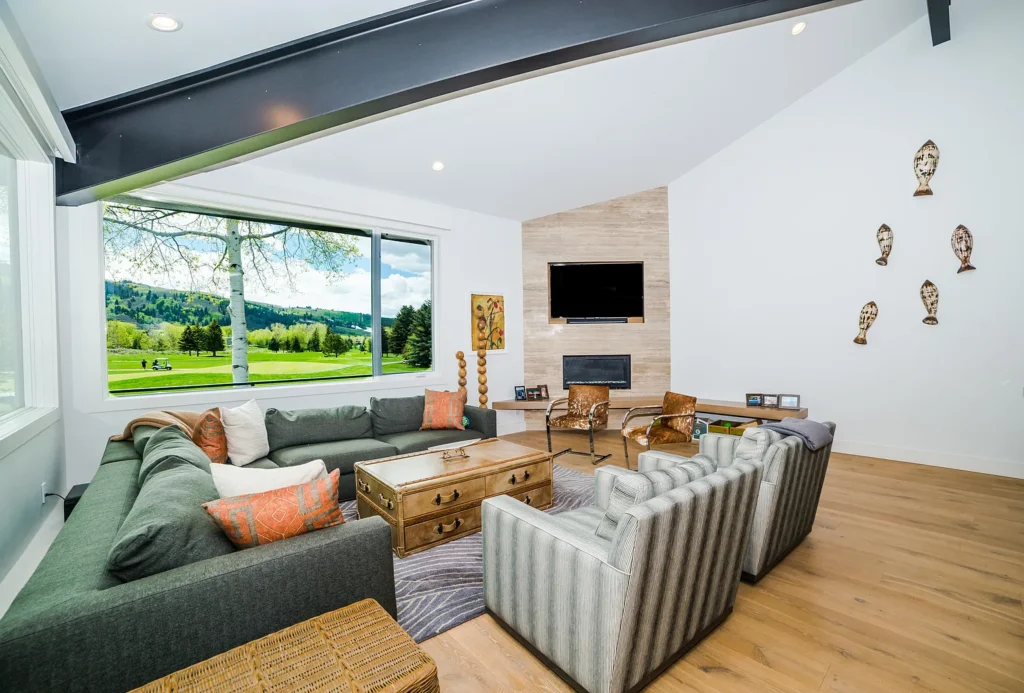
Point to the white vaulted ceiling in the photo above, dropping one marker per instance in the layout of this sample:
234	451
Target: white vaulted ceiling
522	150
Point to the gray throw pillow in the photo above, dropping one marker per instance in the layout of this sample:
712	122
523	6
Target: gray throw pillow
396	415
287	428
167	526
167	449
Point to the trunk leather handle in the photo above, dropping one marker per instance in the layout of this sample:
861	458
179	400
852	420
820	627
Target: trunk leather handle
444	529
386	501
441	500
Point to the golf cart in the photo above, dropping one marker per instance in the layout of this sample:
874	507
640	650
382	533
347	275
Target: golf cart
161	364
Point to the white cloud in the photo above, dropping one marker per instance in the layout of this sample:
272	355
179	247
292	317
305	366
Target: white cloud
413	258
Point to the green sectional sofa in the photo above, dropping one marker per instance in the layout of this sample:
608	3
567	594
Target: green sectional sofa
342	436
77	627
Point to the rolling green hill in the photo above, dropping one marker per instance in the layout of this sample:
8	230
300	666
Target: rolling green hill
146	305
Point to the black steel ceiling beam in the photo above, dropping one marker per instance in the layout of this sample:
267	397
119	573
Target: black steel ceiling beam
938	17
360	71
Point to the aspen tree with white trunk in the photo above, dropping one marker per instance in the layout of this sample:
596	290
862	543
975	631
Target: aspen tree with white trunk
211	253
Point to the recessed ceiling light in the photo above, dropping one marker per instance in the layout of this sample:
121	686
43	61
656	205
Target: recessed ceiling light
799	27
438	166
163	22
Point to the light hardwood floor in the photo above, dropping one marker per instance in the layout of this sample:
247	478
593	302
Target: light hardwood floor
912	580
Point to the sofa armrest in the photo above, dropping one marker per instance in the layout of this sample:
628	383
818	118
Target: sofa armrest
484	421
127	635
604	482
650	460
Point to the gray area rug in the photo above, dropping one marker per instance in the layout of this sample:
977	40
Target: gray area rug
443	587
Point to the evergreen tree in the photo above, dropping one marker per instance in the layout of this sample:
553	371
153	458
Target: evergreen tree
214	341
200	332
401	328
314	341
188	341
362	345
419	349
329	343
385	341
274	344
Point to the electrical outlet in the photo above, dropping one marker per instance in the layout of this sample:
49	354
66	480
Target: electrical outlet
44	493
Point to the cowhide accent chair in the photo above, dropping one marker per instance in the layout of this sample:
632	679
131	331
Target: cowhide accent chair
610	595
672	423
788	497
587	411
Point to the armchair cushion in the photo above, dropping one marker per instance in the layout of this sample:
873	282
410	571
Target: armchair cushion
581	423
660	434
582	399
639	487
755	443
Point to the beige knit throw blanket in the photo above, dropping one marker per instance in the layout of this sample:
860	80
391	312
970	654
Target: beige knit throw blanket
185	421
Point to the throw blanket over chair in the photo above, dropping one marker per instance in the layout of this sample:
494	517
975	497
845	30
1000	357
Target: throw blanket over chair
789	493
588	411
611	595
672	423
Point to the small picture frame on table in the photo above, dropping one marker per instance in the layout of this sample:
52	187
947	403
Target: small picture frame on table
520	393
789	401
755	400
770	401
533	394
543	391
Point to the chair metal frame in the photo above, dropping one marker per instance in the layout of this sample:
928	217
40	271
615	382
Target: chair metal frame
655	411
594	458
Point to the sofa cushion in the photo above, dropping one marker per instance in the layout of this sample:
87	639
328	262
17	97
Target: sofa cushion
340	454
261	463
140	438
240	481
210	437
169	448
167	527
118	451
287	428
442	411
632	489
396	415
415	441
246	431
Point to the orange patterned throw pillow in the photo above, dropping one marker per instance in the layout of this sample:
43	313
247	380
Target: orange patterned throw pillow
209	436
262	518
443	410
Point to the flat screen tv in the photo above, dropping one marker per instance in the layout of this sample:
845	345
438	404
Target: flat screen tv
596	291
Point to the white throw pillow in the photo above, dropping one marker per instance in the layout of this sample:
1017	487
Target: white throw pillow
232	481
246	431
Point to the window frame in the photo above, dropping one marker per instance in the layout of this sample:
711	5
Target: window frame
228	204
27	136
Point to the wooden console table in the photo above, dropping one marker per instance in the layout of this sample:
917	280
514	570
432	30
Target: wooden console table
704	406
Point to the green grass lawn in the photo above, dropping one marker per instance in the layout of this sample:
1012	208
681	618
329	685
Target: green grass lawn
124	370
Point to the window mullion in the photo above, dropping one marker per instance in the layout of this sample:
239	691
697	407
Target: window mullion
375	329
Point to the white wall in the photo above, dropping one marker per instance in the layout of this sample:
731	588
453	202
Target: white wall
476	253
773	249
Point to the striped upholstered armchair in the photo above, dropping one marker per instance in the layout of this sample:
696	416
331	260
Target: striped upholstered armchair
610	594
789	493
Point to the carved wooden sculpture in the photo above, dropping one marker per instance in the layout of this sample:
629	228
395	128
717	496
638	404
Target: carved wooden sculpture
930	298
867	318
926	161
884	237
963	244
462	373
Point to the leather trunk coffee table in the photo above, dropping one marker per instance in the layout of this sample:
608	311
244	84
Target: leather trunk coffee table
430	500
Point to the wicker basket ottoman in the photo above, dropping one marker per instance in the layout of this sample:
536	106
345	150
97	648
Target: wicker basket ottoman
358	648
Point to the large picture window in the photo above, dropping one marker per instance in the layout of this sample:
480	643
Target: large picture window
11	392
198	300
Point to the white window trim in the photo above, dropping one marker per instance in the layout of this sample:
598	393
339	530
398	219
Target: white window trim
89	359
